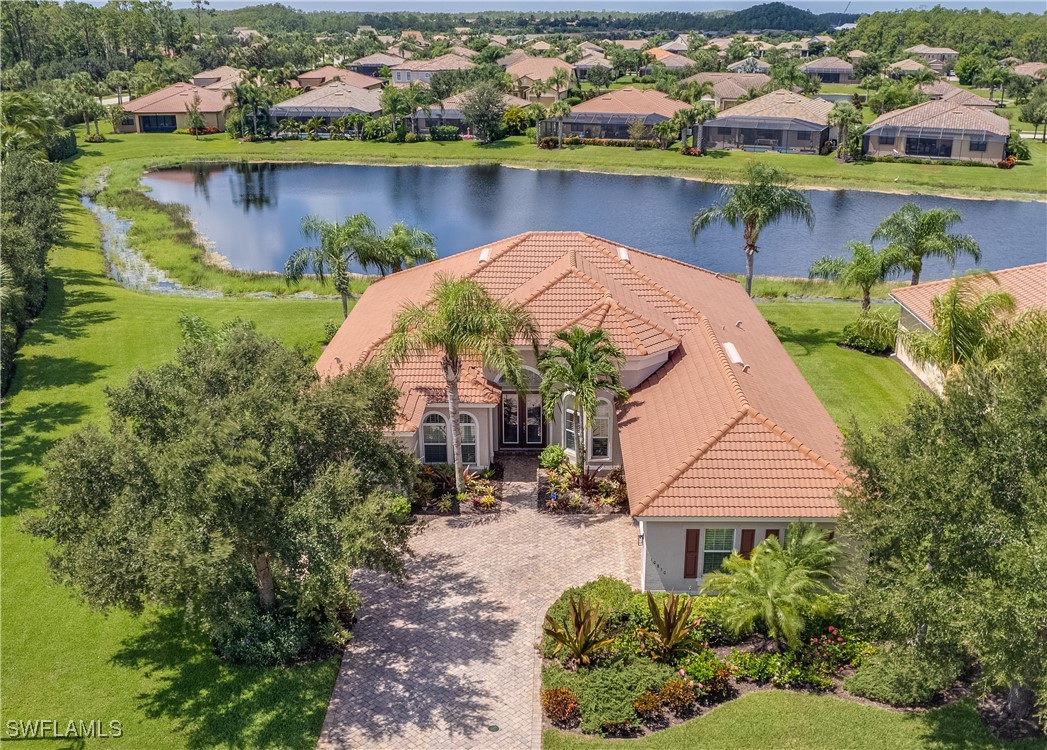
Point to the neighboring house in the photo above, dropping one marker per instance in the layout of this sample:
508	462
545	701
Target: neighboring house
1010	62
941	129
670	60
779	121
414	36
856	54
222	78
633	44
939	59
591	47
680	44
1036	70
728	88
332	101
609	115
528	71
903	68
820	39
590	61
164	111
541	47
1026	284
719	44
514	57
946	91
722	441
830	70
369	65
449	112
497	40
420	71
246	35
322	76
749	64
795	49
465	52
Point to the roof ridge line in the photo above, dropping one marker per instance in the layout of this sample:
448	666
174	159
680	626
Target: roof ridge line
645	319
725	364
589	311
801	447
548	285
690	461
629	330
511	242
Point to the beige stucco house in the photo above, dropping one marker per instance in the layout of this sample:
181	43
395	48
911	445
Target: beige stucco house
166	110
939	129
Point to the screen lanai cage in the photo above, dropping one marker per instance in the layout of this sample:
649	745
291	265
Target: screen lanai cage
934	142
788	135
600	125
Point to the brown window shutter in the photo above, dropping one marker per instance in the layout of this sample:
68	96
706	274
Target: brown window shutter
690	554
773	532
748	542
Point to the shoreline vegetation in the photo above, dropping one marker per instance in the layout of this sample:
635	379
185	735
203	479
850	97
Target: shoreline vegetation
167	238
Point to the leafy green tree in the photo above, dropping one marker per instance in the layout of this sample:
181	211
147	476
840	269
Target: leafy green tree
872	65
459	321
947	524
765	196
915	234
25	123
967	69
579	364
665	132
339	244
599	76
194	117
483	108
847	118
866	268
231	484
777	586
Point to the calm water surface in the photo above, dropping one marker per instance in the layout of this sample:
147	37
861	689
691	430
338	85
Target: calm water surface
251	213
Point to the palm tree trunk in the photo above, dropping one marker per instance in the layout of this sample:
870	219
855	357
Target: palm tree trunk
865	299
579	438
749	256
120	96
916	273
345	305
452	373
698	136
559	133
264	578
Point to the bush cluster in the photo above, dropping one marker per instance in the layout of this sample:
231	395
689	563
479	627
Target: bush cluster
903	677
60	146
853	339
561	706
917	160
577	141
813	665
263	639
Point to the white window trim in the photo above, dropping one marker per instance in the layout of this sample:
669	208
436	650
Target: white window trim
587	433
467	417
610	429
702	572
425	445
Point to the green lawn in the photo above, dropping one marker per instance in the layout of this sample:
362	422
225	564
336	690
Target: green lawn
798	721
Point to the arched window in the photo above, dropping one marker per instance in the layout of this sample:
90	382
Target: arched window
434	439
468	438
601	447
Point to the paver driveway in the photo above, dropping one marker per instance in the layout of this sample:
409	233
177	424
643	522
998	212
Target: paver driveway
439	663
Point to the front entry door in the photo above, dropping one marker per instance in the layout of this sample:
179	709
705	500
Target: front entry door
523	424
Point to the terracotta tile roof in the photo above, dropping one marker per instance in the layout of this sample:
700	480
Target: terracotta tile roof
328	73
945	90
670	59
541	46
857	54
923	49
703	435
784	105
827	64
514	57
453	103
175	98
336	96
226	75
635	44
1034	69
538	68
761	65
631	101
906	66
1027	284
443	62
465	52
732	85
379	59
944	114
592	59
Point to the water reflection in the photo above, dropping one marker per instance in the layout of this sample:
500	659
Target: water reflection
466	207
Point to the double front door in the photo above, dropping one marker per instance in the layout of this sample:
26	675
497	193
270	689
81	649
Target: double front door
523	425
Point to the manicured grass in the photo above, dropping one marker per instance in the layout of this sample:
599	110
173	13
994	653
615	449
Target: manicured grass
799	721
60	659
851	385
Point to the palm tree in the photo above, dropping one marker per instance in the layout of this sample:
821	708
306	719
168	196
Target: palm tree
559	80
866	268
684	119
846	117
339	244
776	586
313	126
703	112
666	131
118	80
915	234
401	247
539	113
580	364
693	92
559	111
462	320
25	122
921	76
765	196
992	75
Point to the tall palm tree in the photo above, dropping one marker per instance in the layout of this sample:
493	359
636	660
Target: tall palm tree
559	80
921	76
25	121
765	196
684	119
462	320
693	92
401	247
847	118
703	112
119	81
776	586
916	234
559	111
538	113
338	245
579	364
866	268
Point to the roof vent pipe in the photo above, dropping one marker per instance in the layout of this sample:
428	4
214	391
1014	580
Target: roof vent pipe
485	255
732	353
623	254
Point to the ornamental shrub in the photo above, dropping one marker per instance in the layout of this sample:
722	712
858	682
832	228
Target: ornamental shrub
903	677
531	134
706	612
94	138
678	696
710	674
552	457
60	145
445	133
606	694
853	339
411	138
561	706
648	706
263	639
549	142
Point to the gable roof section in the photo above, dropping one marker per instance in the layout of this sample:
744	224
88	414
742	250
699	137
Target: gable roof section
328	73
828	64
378	58
906	65
630	101
923	49
223	77
731	85
175	98
939	115
1027	284
335	99
537	68
1034	69
449	61
781	105
945	90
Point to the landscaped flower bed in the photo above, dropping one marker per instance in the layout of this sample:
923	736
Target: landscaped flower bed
434	490
564	488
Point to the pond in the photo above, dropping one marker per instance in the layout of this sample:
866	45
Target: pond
251	213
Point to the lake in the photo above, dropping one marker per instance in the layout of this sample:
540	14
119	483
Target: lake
251	213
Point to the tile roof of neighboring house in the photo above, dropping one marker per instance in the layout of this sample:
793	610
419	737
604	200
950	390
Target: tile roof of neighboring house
786	105
514	57
593	60
731	85
945	90
944	114
328	73
414	36
635	44
827	64
465	52
454	103
705	435
669	59
720	42
857	54
630	101
538	68
337	98
824	38
175	98
379	59
591	47
793	46
541	46
449	61
1027	284
226	75
906	65
1034	69
923	49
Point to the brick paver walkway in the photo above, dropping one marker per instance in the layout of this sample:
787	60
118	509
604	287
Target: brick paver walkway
441	662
